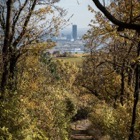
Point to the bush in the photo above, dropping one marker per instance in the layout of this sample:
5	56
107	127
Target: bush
5	134
110	121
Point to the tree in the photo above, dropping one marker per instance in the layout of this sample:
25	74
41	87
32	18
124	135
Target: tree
23	23
132	23
115	49
44	101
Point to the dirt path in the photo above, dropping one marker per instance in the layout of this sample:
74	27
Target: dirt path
79	130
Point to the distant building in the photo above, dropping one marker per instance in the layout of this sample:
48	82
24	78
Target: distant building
69	37
74	32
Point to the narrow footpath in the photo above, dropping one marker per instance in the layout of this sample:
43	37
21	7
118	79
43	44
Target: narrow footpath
79	130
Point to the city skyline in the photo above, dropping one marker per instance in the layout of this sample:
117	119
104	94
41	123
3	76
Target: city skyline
73	32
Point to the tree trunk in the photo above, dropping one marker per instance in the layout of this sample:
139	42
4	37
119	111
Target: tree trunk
9	74
130	77
136	96
4	78
12	73
122	84
5	49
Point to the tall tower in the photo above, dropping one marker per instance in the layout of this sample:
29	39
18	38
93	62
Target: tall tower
74	32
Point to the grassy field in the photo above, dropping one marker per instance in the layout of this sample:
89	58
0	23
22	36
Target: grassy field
75	60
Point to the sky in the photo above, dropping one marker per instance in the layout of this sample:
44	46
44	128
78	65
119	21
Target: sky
79	8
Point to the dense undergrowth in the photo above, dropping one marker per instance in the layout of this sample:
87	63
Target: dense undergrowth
43	103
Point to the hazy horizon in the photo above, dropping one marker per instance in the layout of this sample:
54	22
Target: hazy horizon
79	9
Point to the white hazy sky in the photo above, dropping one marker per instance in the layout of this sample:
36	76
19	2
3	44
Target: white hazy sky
79	8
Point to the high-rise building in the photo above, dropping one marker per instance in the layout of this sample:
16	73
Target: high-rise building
74	32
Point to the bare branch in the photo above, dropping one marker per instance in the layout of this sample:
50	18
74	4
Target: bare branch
122	25
25	23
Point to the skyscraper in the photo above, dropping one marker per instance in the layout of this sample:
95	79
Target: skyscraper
74	32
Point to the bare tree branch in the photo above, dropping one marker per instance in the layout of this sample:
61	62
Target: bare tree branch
122	25
25	23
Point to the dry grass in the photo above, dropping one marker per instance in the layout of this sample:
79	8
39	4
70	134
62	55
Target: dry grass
74	60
